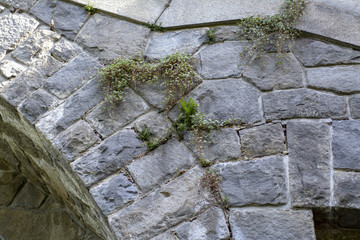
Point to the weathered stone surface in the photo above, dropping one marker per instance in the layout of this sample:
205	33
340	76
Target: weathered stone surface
222	144
64	50
256	182
29	197
221	60
347	189
209	225
158	124
263	140
272	224
35	46
313	53
354	102
44	10
161	164
107	158
150	9
47	65
76	140
126	39
183	41
267	74
22	4
227	33
228	99
153	93
71	110
37	104
72	76
114	193
303	103
107	120
345	144
309	159
23	86
179	201
11	69
9	185
203	11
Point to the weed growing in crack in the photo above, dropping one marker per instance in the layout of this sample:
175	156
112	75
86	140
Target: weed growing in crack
211	181
155	28
90	9
145	135
210	34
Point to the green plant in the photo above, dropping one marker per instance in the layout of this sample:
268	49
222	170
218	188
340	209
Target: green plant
205	163
89	8
155	28
211	181
145	134
210	34
278	30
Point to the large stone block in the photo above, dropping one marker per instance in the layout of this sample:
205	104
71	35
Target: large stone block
271	224
29	197
257	182
11	69
309	163
47	65
303	103
10	183
354	102
347	189
64	50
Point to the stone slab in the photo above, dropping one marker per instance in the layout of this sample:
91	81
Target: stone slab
309	163
202	11
21	4
354	102
256	182
47	65
347	189
64	50
272	224
11	69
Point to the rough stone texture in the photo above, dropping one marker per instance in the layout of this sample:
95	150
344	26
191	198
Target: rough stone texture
114	193
221	60
71	110
64	50
203	11
272	224
76	140
183	41
21	4
303	103
313	53
222	144
44	10
11	69
309	159
161	164
47	66
256	182
108	119
227	33
354	102
29	197
126	39
345	145
153	93
267	74
179	201
342	79
209	225
37	104
9	185
35	46
72	76
263	140
150	9
347	189
107	158
14	28
228	99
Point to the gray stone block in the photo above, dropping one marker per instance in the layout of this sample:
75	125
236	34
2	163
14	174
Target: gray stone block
161	164
256	182
272	224
114	193
44	9
220	145
10	183
313	53
72	76
303	103
107	119
21	4
345	144
347	189
267	73
107	158
183	41
341	79
221	60
37	104
309	163
153	93
355	106
64	50
227	33
29	197
47	66
126	39
76	140
11	69
263	140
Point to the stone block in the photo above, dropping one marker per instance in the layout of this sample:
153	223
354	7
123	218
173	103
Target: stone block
262	141
354	102
309	163
303	103
161	164
47	65
10	183
43	10
272	224
114	193
153	93
227	33
64	50
11	69
21	4
256	182
29	197
347	189
108	157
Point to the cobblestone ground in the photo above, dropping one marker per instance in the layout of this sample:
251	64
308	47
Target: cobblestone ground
295	153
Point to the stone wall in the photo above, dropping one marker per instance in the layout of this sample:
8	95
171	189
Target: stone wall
289	167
